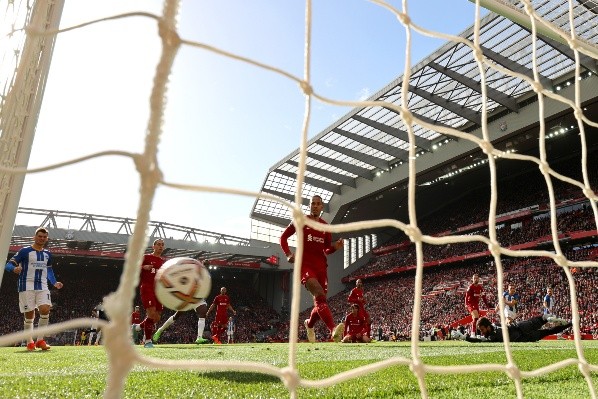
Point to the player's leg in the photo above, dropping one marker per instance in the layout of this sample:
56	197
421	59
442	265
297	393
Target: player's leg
320	302
475	315
201	312
167	323
27	307
44	304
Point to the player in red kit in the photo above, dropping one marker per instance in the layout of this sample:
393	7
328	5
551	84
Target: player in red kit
472	301
356	297
314	275
355	327
153	308
222	304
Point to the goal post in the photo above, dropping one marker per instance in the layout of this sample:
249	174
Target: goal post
30	49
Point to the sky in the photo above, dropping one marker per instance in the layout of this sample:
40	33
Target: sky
226	123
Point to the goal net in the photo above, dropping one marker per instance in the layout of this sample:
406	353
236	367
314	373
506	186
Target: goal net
570	24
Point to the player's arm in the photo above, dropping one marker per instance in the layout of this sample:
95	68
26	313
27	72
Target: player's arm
475	339
468	295
52	278
332	247
284	242
13	266
231	309
212	306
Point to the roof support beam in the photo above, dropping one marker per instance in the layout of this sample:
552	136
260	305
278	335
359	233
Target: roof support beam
395	132
271	219
343	179
396	152
585	61
455	108
513	66
370	160
591	5
393	151
291	197
354	169
324	185
427	147
495	95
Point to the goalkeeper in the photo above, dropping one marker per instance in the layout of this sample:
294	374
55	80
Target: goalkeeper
524	331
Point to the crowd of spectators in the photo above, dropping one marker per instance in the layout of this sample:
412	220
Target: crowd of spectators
86	286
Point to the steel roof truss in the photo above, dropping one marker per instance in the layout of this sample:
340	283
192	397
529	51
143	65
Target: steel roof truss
360	156
395	132
457	109
324	185
350	168
343	179
383	147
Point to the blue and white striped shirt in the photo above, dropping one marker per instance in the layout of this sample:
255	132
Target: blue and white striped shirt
37	269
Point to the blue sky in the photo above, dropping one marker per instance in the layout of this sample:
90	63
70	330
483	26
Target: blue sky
226	122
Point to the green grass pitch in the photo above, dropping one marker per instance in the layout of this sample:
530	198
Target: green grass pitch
80	372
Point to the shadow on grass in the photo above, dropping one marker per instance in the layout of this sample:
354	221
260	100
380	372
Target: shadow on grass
238	377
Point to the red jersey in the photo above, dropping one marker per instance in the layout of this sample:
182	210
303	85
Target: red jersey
354	324
473	296
222	302
135	318
316	245
147	276
356	296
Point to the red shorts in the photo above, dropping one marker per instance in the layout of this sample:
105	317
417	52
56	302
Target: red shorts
320	275
221	319
149	300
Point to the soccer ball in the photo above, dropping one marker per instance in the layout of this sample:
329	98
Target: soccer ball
181	283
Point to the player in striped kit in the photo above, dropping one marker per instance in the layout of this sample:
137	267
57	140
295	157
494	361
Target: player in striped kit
33	265
548	303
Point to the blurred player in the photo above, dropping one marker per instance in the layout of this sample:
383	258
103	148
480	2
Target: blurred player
356	297
201	311
314	274
33	265
153	308
222	304
230	330
472	301
511	298
548	302
135	320
524	331
355	327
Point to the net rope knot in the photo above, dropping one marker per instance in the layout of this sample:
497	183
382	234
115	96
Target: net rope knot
494	248
513	372
404	19
537	87
544	167
560	260
414	233
486	147
169	36
307	89
290	378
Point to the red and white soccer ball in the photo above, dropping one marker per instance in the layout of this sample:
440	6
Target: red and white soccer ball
181	283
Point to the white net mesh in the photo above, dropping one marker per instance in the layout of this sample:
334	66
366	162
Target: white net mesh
538	17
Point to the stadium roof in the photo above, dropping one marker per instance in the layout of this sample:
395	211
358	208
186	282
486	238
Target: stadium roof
101	239
444	90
